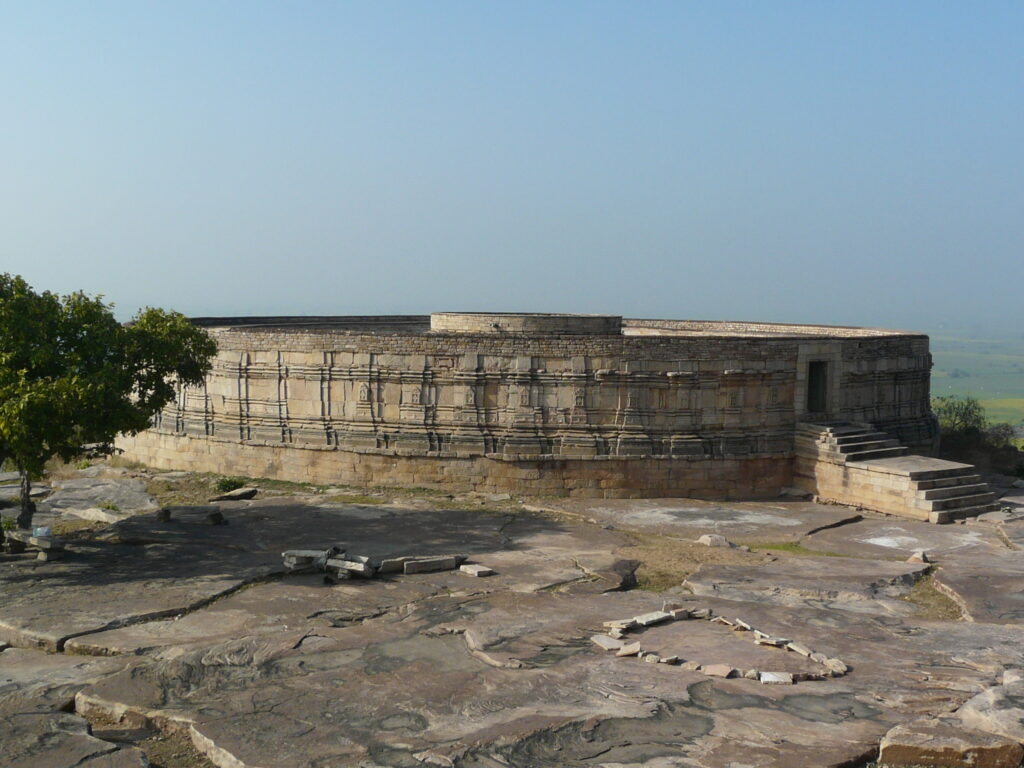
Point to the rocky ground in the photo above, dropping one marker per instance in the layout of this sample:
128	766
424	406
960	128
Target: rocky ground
179	640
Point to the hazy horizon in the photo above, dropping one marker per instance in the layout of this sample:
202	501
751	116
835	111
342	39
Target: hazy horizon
799	162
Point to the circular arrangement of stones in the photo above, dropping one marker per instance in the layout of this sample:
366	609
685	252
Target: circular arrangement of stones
617	640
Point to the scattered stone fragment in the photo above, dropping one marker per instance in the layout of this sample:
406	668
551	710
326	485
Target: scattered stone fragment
819	658
311	554
935	742
718	670
759	634
607	643
776	678
691	666
475	569
701	613
431	564
721	620
920	556
751	674
1011	676
631	649
679	614
775	642
800	648
652	658
216	518
392	565
836	667
351	566
741	626
669	660
999	710
434	758
239	494
804	677
654	617
618	634
714	540
620	624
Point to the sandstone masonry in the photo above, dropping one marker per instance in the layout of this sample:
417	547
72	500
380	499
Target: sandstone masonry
581	405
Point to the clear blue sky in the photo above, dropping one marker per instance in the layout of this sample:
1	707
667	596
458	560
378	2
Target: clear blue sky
848	162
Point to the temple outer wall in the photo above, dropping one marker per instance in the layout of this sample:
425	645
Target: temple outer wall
662	408
600	477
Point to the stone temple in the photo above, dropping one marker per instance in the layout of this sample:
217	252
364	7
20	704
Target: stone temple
570	405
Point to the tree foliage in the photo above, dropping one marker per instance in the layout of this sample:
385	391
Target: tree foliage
959	414
71	375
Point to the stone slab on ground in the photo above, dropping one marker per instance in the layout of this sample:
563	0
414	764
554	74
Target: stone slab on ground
988	589
940	743
896	539
837	582
742	521
514	677
1000	710
61	740
127	494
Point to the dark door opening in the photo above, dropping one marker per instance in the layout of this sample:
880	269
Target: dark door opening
817	386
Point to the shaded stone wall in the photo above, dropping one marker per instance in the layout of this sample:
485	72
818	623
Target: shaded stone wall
577	403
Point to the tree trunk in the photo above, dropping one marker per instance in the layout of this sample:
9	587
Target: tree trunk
28	506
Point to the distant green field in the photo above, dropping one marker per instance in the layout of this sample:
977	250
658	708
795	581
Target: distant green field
991	370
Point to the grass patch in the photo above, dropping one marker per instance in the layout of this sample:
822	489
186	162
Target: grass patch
793	548
107	504
666	562
931	602
354	498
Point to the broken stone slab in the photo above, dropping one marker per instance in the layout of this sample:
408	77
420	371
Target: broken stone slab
45	543
351	566
776	678
774	642
620	624
819	658
691	666
936	742
651	658
998	710
714	540
722	620
392	564
920	556
679	614
836	667
654	617
239	494
751	674
631	649
312	554
741	626
618	634
98	515
719	670
800	648
475	569
431	564
673	659
1011	676
607	643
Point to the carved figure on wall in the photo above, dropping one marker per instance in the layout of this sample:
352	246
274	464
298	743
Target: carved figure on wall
414	396
364	393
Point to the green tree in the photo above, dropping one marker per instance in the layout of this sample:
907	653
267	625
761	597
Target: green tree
959	414
71	375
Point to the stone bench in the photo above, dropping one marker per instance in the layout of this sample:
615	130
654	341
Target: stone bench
50	547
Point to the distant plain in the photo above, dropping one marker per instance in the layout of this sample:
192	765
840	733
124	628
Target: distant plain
983	366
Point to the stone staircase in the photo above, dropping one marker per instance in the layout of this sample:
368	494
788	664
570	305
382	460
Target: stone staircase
856	464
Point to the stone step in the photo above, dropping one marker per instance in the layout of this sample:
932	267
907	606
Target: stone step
962	513
962	477
880	453
953	490
955	502
867	445
925	475
866	436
